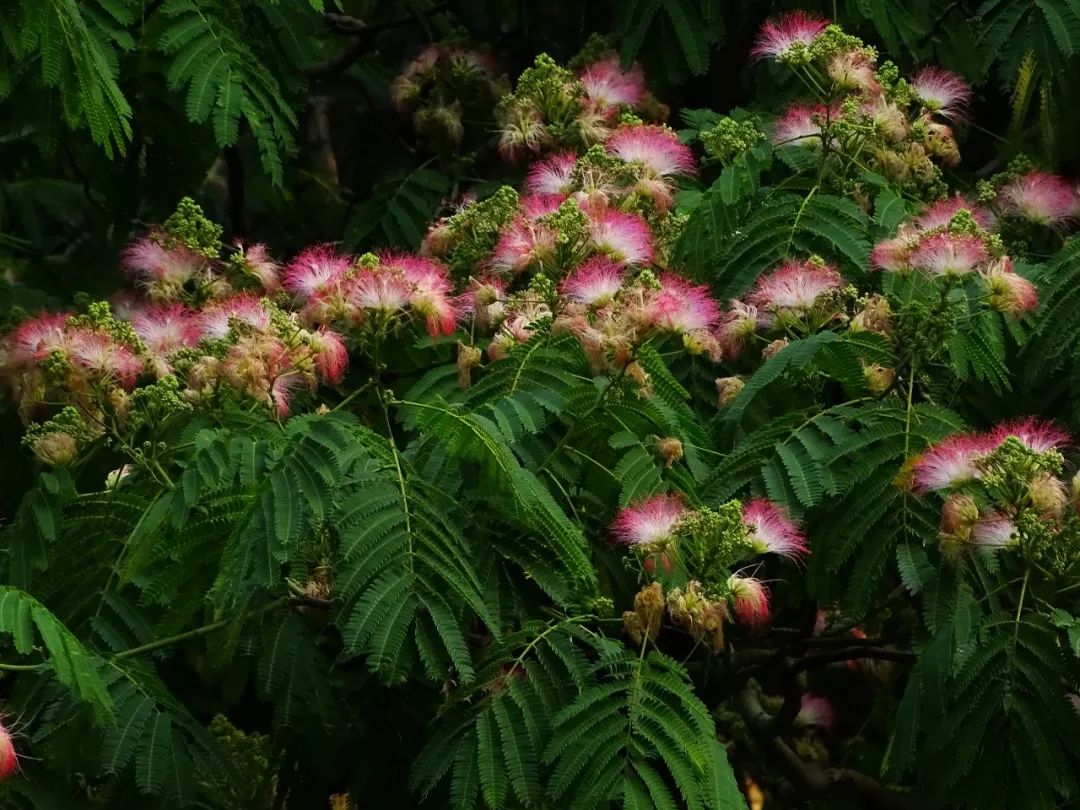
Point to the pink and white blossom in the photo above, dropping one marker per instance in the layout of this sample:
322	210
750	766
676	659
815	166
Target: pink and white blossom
1041	197
314	271
794	286
681	306
258	262
649	522
522	244
656	148
330	354
552	175
432	292
816	711
942	91
750	598
100	354
1036	434
950	463
624	237
147	261
778	37
166	329
1008	292
800	125
772	531
736	325
994	531
949	254
245	308
939	214
36	338
595	283
607	85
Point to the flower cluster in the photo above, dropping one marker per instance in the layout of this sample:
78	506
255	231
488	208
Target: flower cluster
553	107
699	549
1026	195
1002	490
954	239
445	86
903	128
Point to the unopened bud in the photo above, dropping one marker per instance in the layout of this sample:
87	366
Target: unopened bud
669	449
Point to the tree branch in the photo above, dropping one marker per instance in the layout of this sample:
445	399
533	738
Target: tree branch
811	778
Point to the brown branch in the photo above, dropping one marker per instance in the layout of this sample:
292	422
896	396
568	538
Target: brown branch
811	778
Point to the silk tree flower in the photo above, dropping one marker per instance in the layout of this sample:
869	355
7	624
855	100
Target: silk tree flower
854	70
522	132
949	254
656	148
377	290
103	356
535	206
595	283
330	354
36	338
626	238
245	308
889	121
943	92
680	306
608	86
256	261
951	462
772	531
484	301
159	270
894	255
816	711
1040	197
523	243
1008	292
314	271
993	530
432	292
800	125
9	759
552	175
939	214
1037	435
261	366
736	326
795	286
649	524
750	599
166	329
517	327
778	38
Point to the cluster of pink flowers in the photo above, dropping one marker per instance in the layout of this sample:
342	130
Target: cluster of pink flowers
1041	198
953	238
651	528
554	108
902	128
966	464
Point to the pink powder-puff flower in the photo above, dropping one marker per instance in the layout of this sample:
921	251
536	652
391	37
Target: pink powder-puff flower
681	306
800	125
483	300
950	463
314	271
377	290
257	262
894	255
649	522
794	286
101	355
994	531
1041	197
165	329
146	261
853	70
949	254
537	205
772	531
432	294
522	244
942	91
9	759
595	283
330	354
750	598
244	308
1008	292
552	175
736	325
1036	434
624	237
36	338
777	38
607	85
816	711
939	214
657	148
